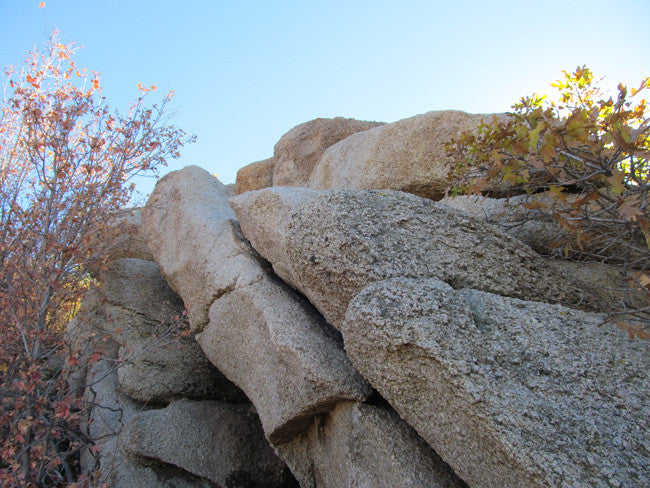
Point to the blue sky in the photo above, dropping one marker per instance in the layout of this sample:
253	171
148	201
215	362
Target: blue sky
245	72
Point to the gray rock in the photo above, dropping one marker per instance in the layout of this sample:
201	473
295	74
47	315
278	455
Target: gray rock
510	393
364	446
300	149
281	354
330	244
219	442
161	369
195	239
139	286
407	155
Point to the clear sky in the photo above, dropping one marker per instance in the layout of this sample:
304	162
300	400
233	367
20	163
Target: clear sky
245	72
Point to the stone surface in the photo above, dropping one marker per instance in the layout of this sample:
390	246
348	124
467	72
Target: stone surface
331	244
300	149
139	286
216	441
363	446
407	155
255	176
138	311
161	369
195	239
111	464
531	226
540	230
282	354
120	238
510	393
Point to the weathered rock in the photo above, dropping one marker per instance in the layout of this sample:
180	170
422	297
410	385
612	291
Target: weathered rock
159	369
407	155
532	226
282	354
137	309
510	393
195	239
219	442
300	149
259	334
255	176
331	244
364	446
139	286
120	238
535	225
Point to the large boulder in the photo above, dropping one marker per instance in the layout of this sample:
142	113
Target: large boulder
109	461
299	150
279	350
364	446
510	393
255	176
331	244
259	334
407	155
119	237
215	441
193	235
142	314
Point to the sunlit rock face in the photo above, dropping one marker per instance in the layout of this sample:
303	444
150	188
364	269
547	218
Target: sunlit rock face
355	336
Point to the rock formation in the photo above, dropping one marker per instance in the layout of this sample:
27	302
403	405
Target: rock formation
350	335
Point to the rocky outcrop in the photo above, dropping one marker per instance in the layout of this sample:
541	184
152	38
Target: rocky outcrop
269	343
370	338
258	333
407	155
189	228
365	446
510	393
299	150
222	443
331	244
255	176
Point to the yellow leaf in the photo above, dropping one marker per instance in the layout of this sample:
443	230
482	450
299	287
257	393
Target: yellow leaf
616	181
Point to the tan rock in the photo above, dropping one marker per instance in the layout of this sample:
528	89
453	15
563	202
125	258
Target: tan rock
260	335
139	286
299	150
120	238
510	393
194	237
281	354
255	176
407	155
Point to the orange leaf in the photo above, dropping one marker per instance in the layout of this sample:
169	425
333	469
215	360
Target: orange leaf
634	331
32	80
42	4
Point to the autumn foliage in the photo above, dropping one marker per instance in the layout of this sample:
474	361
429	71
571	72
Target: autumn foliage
583	157
66	163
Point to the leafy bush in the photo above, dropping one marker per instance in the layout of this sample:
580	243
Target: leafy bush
66	164
590	156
